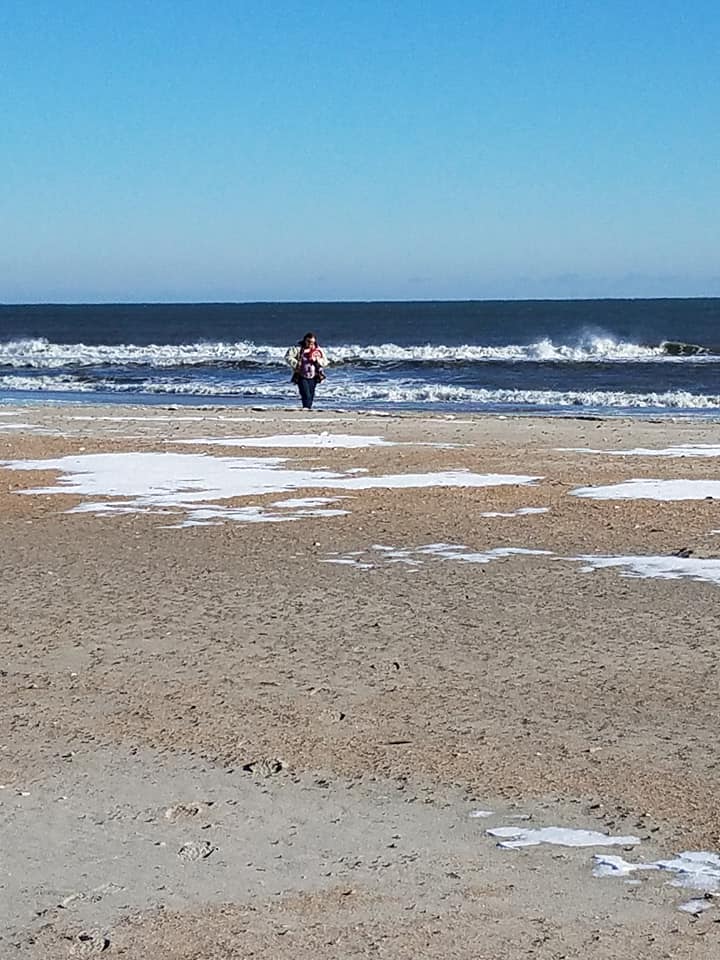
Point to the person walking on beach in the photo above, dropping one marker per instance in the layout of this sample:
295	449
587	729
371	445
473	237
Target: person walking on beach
307	360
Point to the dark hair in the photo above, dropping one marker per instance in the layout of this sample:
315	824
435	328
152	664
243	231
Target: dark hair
308	336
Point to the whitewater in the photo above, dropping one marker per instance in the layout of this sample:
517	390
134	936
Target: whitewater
596	357
39	353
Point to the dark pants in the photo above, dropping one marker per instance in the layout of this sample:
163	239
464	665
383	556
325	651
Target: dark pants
306	386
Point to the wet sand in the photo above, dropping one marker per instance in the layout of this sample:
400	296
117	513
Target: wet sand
221	742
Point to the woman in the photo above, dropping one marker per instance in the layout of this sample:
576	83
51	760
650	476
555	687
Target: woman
307	360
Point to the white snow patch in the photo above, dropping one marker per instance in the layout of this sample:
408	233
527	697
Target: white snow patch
695	907
340	441
294	502
147	482
448	551
34	428
412	557
513	837
349	561
653	490
452	478
520	512
697	870
325	440
214	514
704	569
198	418
681	450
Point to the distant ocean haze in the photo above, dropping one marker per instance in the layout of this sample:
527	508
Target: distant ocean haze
603	356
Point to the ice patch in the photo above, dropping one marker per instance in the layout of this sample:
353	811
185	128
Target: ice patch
412	557
350	562
681	450
448	551
520	512
609	865
34	428
697	870
215	514
706	570
148	482
324	440
205	516
173	418
695	907
452	478
295	502
514	837
653	490
702	569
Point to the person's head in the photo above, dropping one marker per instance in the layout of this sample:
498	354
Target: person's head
309	341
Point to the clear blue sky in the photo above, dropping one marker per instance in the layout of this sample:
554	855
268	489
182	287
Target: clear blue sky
178	150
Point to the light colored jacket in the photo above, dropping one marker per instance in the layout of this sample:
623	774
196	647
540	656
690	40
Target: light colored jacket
292	357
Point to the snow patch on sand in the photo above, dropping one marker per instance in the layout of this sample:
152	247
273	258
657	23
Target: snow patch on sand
215	514
681	450
697	870
452	478
653	490
303	502
515	837
340	441
520	512
172	418
700	569
34	428
703	569
413	556
448	551
695	907
152	482
694	870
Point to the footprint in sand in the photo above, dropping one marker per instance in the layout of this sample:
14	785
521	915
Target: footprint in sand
185	811
196	850
265	767
331	716
88	943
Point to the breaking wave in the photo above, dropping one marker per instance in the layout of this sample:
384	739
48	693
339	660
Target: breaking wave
389	393
39	353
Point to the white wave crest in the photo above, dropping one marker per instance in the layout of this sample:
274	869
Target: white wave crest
403	392
39	353
589	349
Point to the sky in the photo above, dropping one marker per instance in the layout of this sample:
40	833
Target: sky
369	150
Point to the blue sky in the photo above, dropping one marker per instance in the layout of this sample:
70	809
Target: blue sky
172	150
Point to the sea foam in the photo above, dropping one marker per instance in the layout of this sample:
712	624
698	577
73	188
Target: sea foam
345	392
39	353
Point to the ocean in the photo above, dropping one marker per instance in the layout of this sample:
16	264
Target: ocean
595	357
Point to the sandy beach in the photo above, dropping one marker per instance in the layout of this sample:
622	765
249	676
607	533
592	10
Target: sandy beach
269	680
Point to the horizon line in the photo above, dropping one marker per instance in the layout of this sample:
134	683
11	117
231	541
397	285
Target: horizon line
237	303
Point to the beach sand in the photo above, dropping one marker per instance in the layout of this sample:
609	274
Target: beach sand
221	742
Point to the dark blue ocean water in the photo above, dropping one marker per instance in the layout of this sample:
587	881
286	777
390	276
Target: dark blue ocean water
593	356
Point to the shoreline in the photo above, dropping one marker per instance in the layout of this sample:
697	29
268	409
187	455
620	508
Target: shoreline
351	686
642	416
